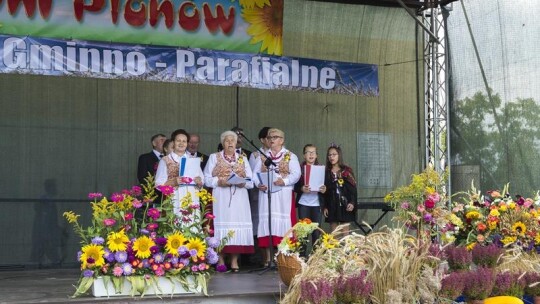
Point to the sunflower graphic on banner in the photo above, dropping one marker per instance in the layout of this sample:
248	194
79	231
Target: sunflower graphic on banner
253	26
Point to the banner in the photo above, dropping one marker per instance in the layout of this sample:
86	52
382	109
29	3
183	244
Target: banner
43	56
240	26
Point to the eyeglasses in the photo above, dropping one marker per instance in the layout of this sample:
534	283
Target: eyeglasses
273	137
333	154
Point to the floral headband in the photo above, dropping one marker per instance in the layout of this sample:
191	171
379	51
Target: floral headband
333	145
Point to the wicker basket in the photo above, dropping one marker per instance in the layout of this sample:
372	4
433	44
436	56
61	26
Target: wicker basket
288	267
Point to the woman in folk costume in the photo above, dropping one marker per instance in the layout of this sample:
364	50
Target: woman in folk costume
231	210
168	172
287	170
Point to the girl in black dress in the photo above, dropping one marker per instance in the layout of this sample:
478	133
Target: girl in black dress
341	196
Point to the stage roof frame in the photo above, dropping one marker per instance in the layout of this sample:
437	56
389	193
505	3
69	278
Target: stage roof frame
417	5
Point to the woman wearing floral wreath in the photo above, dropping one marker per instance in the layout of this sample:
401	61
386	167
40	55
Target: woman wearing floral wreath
283	213
231	210
341	195
169	170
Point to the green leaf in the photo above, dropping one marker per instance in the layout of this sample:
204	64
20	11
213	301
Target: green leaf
84	284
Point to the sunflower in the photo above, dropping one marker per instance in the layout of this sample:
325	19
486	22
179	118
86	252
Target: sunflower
329	242
174	241
142	246
197	244
116	241
519	227
253	3
93	252
266	26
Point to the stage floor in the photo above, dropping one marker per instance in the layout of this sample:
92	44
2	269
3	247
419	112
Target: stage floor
56	285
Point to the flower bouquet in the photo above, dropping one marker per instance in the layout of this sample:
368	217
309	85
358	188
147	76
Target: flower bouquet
421	206
132	242
288	257
498	218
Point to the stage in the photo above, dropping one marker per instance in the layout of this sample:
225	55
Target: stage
56	286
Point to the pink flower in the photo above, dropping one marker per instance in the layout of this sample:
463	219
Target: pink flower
128	216
186	180
405	205
434	197
152	226
194	268
160	271
95	195
194	205
109	222
117	197
136	191
166	190
428	217
202	266
117	271
153	213
429	203
209	216
136	203
421	208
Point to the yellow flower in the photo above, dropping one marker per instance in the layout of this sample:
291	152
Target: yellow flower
471	246
519	227
473	215
492	225
266	26
197	244
142	246
329	242
503	207
174	241
508	240
240	160
252	3
93	252
71	217
455	220
512	205
494	212
340	182
117	241
430	190
537	239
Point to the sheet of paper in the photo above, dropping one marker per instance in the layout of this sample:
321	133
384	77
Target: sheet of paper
237	180
190	167
263	178
314	176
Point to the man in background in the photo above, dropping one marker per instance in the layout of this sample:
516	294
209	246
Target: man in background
193	149
148	162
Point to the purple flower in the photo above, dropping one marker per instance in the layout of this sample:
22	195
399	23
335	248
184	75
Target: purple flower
353	289
95	195
486	256
109	256
458	257
98	240
193	252
221	268
320	291
184	262
145	263
159	271
144	231
194	268
127	269
121	256
158	258
428	217
202	266
452	285
88	273
154	249
182	250
213	242
79	254
174	260
211	256
161	241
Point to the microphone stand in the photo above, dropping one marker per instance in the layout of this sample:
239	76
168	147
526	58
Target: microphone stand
270	165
